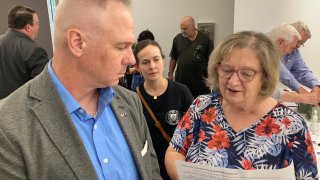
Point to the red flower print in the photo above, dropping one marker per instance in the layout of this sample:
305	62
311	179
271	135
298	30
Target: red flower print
209	115
186	144
290	143
247	165
185	121
202	136
219	140
198	102
190	138
285	164
286	122
267	127
216	128
308	141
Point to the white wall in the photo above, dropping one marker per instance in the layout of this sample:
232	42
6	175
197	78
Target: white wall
163	17
263	15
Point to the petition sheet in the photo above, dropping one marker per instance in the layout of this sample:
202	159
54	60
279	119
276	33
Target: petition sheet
192	171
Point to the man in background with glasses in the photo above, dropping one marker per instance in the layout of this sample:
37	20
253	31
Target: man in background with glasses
287	39
296	74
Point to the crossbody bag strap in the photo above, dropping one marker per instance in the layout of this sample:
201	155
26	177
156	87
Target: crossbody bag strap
157	123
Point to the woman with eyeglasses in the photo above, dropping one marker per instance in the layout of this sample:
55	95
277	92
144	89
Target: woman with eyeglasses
240	126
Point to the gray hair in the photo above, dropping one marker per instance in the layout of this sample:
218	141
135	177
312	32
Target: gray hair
264	49
284	31
301	26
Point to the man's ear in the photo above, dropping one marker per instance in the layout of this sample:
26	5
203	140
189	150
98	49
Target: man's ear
137	67
280	42
76	42
27	28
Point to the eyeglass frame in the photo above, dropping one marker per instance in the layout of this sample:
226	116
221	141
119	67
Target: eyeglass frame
301	43
240	77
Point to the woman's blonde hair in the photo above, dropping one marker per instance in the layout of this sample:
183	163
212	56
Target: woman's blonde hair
265	51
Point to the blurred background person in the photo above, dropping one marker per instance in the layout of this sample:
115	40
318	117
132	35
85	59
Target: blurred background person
21	59
137	78
286	39
133	78
242	126
295	73
190	54
168	100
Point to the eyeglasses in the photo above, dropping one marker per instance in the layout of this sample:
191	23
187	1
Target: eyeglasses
301	43
245	75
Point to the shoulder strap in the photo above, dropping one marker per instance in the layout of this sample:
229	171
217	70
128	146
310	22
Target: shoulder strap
157	123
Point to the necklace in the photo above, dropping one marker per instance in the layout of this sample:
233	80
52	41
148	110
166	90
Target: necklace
159	91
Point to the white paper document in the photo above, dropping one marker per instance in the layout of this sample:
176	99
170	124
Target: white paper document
192	171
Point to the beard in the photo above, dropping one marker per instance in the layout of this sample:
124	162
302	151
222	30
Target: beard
184	34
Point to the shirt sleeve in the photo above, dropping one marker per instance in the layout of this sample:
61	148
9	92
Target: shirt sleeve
278	93
303	74
288	79
303	154
183	136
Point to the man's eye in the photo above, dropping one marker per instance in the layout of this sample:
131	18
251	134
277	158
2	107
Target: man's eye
121	47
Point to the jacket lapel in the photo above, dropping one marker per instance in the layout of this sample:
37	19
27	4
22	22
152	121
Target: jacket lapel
129	129
56	121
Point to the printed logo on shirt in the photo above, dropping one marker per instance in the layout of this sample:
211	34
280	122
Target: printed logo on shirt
173	117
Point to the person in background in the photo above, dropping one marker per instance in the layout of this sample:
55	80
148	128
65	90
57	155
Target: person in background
21	59
190	53
241	126
286	39
73	121
295	74
137	78
167	99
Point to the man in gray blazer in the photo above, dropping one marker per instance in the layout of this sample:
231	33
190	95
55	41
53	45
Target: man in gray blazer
73	121
21	59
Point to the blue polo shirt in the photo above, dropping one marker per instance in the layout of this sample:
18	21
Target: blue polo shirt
101	135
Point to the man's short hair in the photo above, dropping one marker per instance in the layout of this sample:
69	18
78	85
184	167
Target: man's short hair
19	16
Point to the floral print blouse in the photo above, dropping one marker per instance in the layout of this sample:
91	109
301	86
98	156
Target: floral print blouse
204	136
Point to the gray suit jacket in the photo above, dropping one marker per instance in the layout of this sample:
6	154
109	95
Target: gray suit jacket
39	141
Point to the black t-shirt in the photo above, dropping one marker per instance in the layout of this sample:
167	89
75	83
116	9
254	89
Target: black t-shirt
192	61
168	108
